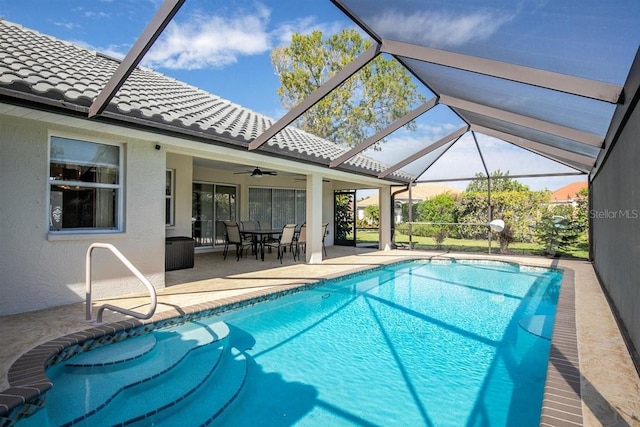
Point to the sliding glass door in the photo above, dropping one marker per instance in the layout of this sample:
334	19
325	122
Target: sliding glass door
277	206
210	205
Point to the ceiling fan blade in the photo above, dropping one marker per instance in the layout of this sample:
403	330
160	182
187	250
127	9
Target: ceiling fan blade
304	179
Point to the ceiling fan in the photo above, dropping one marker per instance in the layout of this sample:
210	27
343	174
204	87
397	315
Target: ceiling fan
258	173
304	179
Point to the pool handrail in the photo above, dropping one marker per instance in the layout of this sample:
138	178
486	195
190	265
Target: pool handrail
133	269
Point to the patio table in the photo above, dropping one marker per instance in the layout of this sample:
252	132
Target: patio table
258	236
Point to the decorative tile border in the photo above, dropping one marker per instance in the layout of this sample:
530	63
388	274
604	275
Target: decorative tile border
562	405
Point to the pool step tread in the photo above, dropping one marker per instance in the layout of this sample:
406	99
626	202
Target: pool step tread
112	354
215	396
142	400
173	348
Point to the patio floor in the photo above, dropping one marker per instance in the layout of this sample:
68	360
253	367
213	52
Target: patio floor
609	385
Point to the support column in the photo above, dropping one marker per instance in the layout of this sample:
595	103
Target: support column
314	219
386	218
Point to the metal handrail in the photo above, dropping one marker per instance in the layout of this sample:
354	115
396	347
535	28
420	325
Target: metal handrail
131	268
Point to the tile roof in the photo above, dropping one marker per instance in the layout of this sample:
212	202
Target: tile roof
569	191
418	193
41	69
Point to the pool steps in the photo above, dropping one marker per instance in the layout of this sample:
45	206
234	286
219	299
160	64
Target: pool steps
200	363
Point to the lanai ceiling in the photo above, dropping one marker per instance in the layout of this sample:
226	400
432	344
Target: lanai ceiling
534	92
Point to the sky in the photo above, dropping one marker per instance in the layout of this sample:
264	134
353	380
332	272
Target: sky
223	47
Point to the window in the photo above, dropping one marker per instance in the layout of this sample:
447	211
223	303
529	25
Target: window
84	185
168	195
277	206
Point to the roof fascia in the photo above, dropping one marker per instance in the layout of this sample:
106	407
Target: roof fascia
335	81
600	91
150	34
520	120
580	161
442	141
384	132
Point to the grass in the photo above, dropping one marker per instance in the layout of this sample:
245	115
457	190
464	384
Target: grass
469	245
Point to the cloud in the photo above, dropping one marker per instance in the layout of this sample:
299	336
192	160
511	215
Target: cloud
211	41
92	14
438	28
67	25
281	36
113	50
216	41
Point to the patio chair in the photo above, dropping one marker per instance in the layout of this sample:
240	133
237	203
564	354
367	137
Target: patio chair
266	225
286	239
226	239
324	233
301	240
248	226
234	238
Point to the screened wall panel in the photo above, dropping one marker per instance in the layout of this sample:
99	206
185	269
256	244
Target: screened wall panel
615	214
533	134
573	111
574	38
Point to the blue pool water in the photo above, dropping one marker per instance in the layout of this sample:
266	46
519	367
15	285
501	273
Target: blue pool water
412	344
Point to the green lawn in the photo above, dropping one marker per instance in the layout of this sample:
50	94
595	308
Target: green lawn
468	245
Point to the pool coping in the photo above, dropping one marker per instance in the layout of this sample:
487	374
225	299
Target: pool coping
562	403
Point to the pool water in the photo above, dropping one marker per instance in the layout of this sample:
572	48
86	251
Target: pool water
411	344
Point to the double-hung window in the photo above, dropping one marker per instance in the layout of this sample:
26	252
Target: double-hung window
85	185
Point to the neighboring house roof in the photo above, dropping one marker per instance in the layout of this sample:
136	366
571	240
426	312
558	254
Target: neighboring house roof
418	193
568	192
39	70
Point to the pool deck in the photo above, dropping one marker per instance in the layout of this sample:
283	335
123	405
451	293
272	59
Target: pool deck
592	380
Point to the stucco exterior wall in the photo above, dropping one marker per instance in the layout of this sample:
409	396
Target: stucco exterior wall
39	269
616	226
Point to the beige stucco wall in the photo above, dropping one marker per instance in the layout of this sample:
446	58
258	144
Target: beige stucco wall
38	269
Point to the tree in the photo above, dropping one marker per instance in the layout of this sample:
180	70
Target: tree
557	229
372	215
511	201
367	102
500	181
440	208
343	216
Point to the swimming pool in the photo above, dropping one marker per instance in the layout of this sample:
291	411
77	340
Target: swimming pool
417	343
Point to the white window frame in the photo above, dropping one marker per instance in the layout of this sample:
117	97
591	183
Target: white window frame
171	198
119	187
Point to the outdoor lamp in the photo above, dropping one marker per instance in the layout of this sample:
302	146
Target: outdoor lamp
496	225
